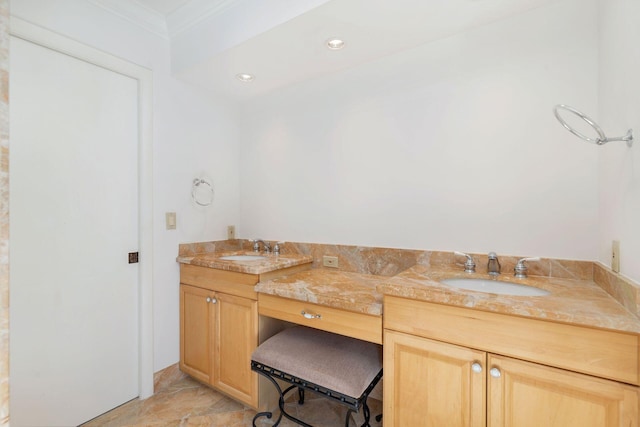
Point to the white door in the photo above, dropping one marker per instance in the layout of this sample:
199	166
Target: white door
73	219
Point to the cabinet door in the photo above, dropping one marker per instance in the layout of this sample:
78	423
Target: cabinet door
530	395
236	337
196	332
432	384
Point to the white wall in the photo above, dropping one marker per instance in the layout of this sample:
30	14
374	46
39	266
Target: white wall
619	102
451	145
192	135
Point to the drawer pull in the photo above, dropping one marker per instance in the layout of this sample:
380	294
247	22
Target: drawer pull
310	316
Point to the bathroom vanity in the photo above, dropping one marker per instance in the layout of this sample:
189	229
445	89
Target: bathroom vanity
219	324
474	368
568	356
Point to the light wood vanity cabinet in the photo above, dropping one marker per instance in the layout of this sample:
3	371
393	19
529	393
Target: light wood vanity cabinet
197	322
431	382
220	329
235	338
218	334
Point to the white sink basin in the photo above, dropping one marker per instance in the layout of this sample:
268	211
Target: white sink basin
495	287
242	257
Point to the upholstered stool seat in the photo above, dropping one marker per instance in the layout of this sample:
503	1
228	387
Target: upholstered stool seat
337	367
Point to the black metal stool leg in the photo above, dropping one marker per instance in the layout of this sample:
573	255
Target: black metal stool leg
366	413
269	414
280	404
346	420
353	404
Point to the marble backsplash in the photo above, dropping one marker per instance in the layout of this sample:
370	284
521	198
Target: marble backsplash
390	262
622	289
4	212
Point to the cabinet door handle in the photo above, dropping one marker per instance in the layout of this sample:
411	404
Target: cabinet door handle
495	372
208	299
214	300
310	316
476	367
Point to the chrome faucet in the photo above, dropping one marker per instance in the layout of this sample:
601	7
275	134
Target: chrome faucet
277	247
520	270
256	245
469	265
493	266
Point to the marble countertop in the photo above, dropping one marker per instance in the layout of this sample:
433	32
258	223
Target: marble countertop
573	299
578	302
270	262
339	289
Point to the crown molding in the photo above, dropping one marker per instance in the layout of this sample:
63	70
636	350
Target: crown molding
194	12
181	19
137	14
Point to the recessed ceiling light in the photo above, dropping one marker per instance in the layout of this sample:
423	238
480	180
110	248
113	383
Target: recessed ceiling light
244	77
335	44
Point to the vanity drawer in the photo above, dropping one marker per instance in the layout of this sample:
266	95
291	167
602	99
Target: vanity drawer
603	353
357	325
229	282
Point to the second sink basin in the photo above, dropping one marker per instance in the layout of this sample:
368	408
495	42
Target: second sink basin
242	257
495	287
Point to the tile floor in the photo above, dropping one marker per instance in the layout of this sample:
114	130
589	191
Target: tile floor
187	403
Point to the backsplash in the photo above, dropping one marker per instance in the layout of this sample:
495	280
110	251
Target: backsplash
621	288
4	212
390	261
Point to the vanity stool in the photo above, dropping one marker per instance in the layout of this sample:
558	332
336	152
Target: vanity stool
339	368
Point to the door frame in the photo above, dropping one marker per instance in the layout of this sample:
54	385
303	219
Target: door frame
48	39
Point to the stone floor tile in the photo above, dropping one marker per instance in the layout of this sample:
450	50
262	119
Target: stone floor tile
187	403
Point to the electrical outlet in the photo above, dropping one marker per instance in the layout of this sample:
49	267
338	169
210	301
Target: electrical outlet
615	256
231	232
170	219
330	261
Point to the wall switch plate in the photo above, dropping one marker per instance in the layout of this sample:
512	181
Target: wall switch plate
330	261
231	232
615	256
170	219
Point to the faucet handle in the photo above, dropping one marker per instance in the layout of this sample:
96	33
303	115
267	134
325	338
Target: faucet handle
256	245
520	270
276	248
469	265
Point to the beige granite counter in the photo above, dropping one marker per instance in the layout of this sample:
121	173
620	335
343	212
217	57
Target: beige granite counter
580	302
581	292
270	262
339	289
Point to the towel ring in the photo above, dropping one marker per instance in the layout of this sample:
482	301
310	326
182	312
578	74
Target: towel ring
602	138
197	195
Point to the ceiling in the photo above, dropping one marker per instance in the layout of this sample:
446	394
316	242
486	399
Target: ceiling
164	7
293	49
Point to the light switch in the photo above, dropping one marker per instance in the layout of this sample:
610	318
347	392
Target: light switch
171	220
615	256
